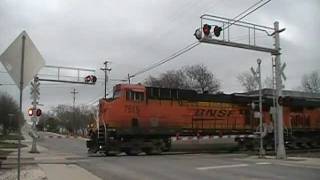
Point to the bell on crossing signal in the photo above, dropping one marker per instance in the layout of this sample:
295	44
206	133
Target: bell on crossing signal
206	29
217	31
38	112
198	34
30	111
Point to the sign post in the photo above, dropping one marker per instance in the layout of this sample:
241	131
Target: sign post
22	61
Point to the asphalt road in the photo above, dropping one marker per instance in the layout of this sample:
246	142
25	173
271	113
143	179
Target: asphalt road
179	165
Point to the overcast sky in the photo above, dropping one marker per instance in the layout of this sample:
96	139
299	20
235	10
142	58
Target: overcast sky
133	34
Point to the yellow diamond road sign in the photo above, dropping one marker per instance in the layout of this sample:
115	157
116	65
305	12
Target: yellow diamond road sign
11	59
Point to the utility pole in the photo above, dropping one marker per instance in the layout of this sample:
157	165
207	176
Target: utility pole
74	92
281	153
105	69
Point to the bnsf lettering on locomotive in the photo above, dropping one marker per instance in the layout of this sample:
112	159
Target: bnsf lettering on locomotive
212	113
222	113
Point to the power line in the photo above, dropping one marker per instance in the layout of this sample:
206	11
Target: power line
167	59
250	12
247	9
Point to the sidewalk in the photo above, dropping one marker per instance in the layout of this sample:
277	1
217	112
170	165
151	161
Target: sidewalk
305	162
55	135
44	165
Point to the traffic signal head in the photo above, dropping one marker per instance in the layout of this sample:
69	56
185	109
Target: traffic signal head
206	29
30	111
217	31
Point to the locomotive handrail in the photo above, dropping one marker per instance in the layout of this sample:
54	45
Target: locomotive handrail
105	132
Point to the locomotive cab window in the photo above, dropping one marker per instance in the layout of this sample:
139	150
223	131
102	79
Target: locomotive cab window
134	96
116	94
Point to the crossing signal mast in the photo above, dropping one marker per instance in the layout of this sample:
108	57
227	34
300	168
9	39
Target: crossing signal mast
34	112
224	30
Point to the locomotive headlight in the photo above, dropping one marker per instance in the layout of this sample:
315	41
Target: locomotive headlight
100	147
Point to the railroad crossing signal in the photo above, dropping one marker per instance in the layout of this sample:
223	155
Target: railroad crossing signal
30	111
282	71
206	29
34	112
90	79
35	89
217	31
252	44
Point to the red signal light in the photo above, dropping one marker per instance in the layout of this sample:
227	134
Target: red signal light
90	79
30	111
217	31
38	112
93	78
206	29
87	79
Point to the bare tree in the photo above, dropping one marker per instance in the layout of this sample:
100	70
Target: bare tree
311	82
152	81
248	81
268	83
83	115
174	79
201	79
169	79
196	77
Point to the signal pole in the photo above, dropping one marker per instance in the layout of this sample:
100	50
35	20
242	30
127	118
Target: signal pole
20	102
105	69
74	92
281	153
35	92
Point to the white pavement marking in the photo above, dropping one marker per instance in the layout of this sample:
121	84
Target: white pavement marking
230	166
263	163
222	167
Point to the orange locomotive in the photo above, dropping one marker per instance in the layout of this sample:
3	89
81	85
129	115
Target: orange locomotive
144	119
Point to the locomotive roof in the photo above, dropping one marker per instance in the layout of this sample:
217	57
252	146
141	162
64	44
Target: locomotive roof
192	95
293	98
270	92
296	98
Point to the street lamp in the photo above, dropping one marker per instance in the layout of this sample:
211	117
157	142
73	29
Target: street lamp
261	149
257	77
105	69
